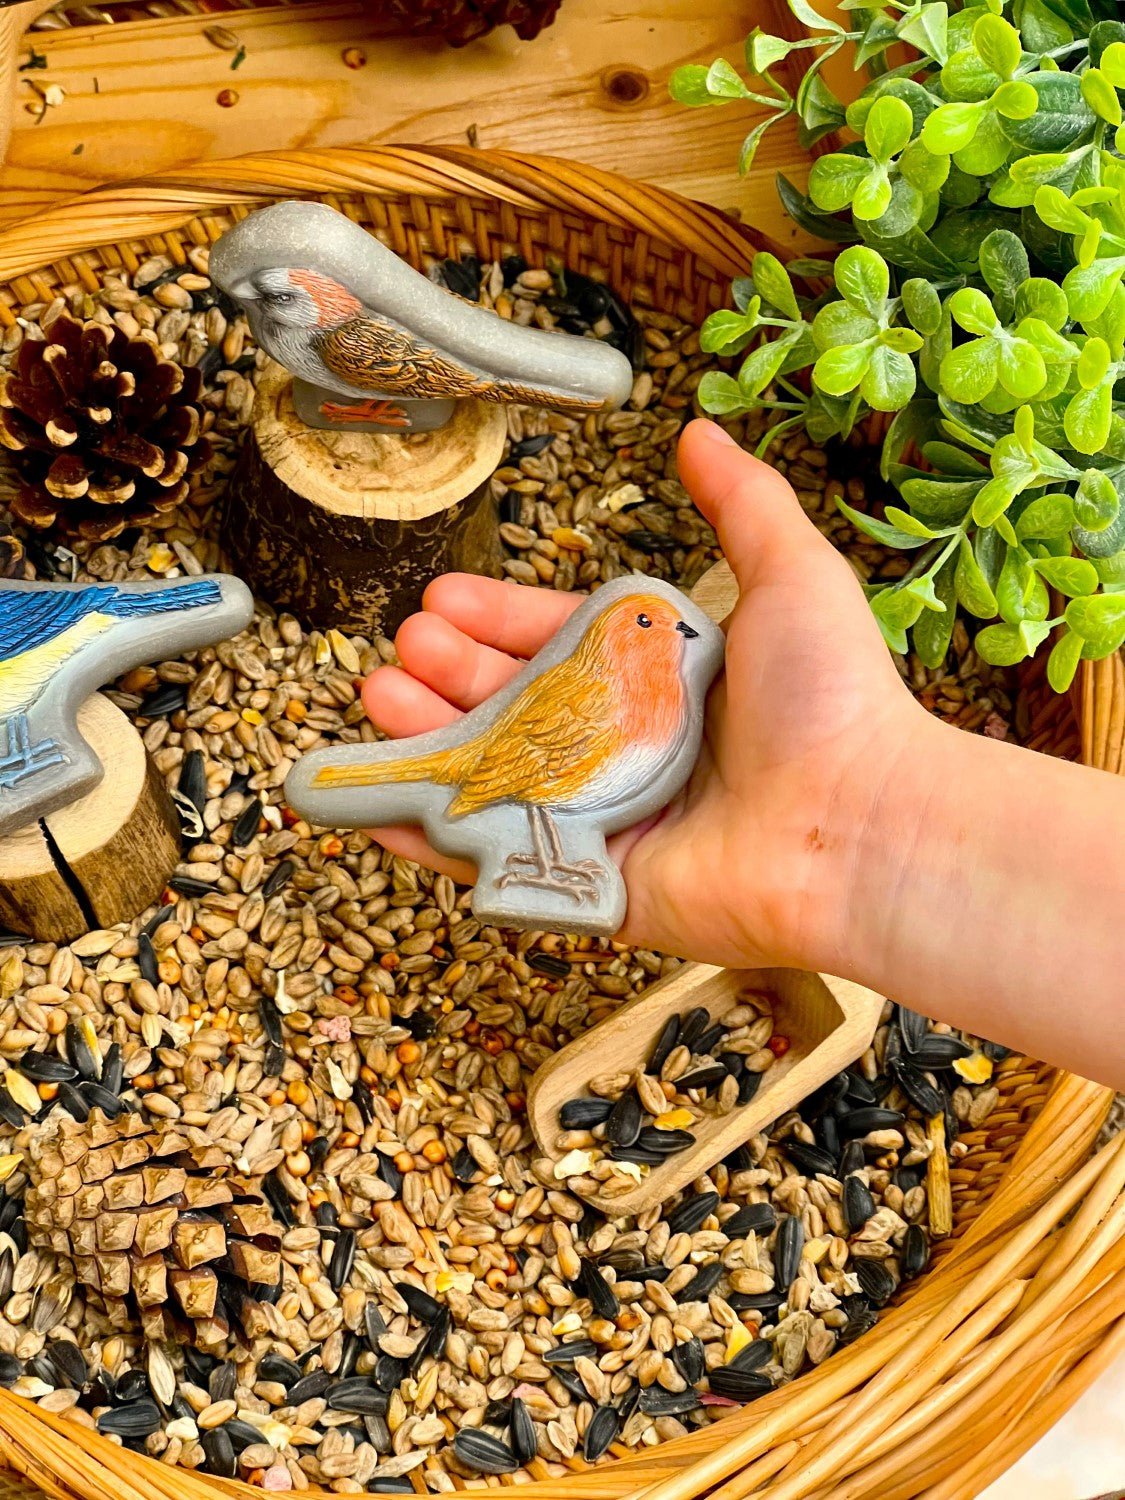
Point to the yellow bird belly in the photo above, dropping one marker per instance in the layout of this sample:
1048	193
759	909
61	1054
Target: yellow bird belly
23	678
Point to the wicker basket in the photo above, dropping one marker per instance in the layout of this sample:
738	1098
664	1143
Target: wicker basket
1026	1305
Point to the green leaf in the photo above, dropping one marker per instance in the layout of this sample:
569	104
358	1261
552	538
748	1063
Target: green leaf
763	50
1002	645
934	629
1063	119
1055	208
922	305
721	395
997	44
1073	576
724	82
862	279
840	323
1015	100
972	586
1041	29
818	107
1111	61
772	281
1093	363
751	142
1046	516
724	332
1021	369
889	381
1097	503
811	18
1102	544
880	531
970	371
973	311
926	26
901	340
966	78
1041	298
941	500
952	126
688	85
840	370
761	365
1101	96
1004	266
911	524
801	210
1100	621
1013	591
834	180
1063	661
1087	418
1089	289
923	169
873	196
906	207
896	610
888	128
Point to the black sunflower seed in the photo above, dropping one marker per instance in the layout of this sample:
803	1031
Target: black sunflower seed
912	1028
219	1453
657	1402
763	1302
755	1218
186	885
317	1150
420	1303
365	1103
739	1385
82	1055
668	1038
146	959
98	1097
374	1325
278	878
309	1386
852	1159
688	1359
277	1368
273	1061
393	1485
734	1062
570	1383
349	1358
752	1356
420	1024
521	1431
938	1050
688	1216
644	1155
918	1089
665	1142
860	1121
246	824
357	1395
706	1044
343	1259
828	1132
653	1273
809	1159
909	1177
568	1353
378	1433
603	1428
857	1090
788	1245
113	1069
483	1453
549	964
70	1362
624	1122
995	1051
915	1252
702	1078
859	1205
10	1369
433	1345
138	1419
390	1372
241	1434
591	1283
44	1067
70	1099
876	1280
223	1382
271	1019
748	1085
528	447
585	1113
739	1160
42	1368
166	699
280	1201
464	1167
693	1025
702	1284
859	1323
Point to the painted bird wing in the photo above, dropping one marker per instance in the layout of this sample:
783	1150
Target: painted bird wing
375	354
555	737
28	618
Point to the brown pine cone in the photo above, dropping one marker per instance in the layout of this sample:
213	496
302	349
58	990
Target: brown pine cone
13	556
105	430
150	1216
461	21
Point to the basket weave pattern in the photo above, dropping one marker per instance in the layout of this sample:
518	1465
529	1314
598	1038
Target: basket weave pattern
1026	1305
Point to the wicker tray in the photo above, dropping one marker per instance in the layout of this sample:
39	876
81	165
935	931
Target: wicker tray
1026	1305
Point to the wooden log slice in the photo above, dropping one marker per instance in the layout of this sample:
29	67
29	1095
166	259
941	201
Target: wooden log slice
104	858
346	529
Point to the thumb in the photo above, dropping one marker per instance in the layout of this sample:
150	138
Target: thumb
760	524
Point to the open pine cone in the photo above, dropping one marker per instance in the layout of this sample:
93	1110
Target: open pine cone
13	555
461	21
105	430
157	1223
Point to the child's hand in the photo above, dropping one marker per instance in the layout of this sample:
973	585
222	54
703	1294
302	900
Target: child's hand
808	720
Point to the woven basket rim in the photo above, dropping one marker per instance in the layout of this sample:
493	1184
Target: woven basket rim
1039	1187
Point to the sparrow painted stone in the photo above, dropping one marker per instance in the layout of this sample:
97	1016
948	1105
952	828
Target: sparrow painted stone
598	731
59	642
375	345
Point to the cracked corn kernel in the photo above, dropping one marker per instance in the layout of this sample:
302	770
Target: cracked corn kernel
974	1069
675	1119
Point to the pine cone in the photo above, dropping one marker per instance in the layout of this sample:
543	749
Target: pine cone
13	556
151	1215
461	21
105	429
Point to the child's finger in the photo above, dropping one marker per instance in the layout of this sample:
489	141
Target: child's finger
507	616
450	662
400	705
411	843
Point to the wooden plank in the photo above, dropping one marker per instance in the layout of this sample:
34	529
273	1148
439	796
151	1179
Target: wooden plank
144	95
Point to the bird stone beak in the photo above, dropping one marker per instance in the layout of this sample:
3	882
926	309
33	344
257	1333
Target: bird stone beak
685	630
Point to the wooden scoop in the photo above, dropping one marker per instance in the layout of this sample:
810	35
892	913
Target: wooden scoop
827	1022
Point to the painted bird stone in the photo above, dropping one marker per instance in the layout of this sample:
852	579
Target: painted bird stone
598	731
377	347
60	642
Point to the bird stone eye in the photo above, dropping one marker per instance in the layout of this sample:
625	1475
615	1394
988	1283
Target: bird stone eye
643	621
281	298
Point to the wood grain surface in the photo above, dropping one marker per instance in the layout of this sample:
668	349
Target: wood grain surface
144	95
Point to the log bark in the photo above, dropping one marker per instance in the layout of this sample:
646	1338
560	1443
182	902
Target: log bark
104	858
346	529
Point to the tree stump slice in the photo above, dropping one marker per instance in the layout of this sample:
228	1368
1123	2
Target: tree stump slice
346	529
104	858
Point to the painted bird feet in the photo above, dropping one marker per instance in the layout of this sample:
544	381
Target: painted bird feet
23	758
578	880
384	413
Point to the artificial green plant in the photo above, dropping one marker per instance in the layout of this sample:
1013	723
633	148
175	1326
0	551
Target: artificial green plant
979	297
